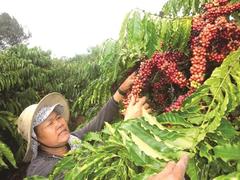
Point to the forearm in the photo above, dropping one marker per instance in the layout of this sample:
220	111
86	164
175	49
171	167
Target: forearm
118	97
107	114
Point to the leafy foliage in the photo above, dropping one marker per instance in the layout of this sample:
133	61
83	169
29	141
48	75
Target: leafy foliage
178	8
206	127
140	36
8	130
113	155
175	8
6	152
235	175
28	75
143	146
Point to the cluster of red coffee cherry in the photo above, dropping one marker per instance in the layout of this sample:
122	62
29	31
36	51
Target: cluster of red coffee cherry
213	37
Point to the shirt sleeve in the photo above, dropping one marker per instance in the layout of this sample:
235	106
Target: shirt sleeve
41	166
107	114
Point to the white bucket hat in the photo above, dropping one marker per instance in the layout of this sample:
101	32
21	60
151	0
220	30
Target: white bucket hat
25	120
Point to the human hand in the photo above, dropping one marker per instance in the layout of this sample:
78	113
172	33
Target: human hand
124	87
172	171
127	84
136	107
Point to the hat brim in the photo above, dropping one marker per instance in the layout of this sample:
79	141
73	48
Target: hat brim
48	100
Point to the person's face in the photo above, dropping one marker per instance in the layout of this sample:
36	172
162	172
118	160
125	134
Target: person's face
53	131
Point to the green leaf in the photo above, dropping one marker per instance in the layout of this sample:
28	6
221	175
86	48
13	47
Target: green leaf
204	150
226	129
65	164
36	178
173	118
192	170
7	153
175	8
231	176
221	92
227	152
147	148
91	136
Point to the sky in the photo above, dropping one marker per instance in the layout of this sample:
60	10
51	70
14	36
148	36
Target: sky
70	27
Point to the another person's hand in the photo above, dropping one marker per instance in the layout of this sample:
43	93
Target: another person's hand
135	108
173	171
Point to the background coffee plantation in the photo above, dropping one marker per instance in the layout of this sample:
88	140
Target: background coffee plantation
197	113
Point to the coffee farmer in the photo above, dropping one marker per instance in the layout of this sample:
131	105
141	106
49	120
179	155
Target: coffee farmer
44	127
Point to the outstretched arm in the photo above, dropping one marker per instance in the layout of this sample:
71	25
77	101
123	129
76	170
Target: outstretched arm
109	111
